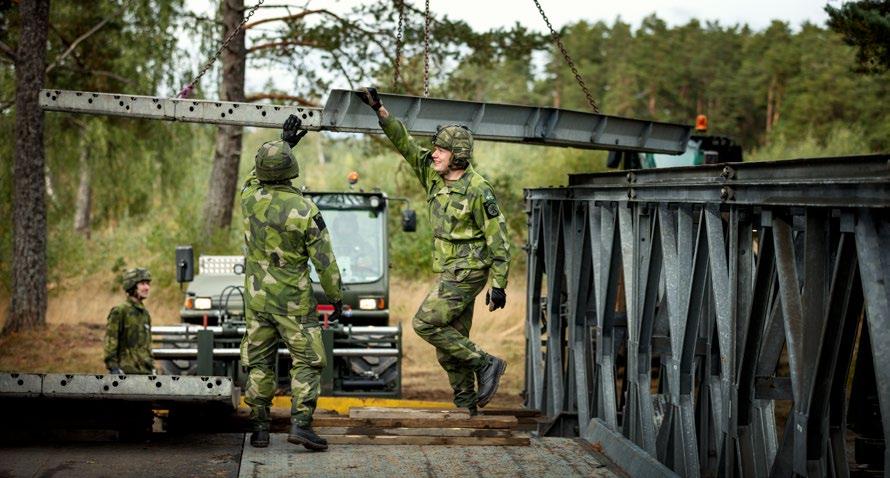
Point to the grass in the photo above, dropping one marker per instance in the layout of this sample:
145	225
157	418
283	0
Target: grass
73	338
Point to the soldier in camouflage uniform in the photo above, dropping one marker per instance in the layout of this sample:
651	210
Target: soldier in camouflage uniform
128	331
469	243
283	230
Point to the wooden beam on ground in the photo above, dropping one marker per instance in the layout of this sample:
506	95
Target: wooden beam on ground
474	422
428	432
426	440
387	412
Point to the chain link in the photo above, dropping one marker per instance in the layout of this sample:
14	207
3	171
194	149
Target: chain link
188	88
568	59
426	51
397	74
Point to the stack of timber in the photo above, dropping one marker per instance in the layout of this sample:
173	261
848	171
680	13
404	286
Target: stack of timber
415	426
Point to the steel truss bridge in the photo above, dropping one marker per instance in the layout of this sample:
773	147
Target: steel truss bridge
723	320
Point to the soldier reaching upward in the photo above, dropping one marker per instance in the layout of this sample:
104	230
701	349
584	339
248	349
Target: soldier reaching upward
470	241
283	230
128	331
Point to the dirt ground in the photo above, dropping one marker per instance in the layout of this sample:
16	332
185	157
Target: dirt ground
72	340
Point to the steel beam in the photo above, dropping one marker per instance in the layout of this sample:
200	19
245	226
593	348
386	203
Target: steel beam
142	388
343	111
173	109
509	123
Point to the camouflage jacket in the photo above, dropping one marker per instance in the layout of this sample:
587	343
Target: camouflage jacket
128	338
469	230
283	230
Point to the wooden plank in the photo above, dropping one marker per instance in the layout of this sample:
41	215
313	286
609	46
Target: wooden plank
430	432
474	422
513	412
424	440
392	412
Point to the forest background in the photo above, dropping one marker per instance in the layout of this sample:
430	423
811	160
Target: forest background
122	193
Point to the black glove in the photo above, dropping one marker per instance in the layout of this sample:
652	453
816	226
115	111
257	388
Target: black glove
370	97
116	371
496	298
337	313
291	132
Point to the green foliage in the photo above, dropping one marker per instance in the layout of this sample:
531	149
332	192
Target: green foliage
864	24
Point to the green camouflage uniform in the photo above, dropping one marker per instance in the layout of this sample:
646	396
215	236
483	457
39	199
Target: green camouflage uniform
469	241
128	338
282	231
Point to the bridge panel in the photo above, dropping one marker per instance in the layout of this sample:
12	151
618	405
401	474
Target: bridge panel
717	317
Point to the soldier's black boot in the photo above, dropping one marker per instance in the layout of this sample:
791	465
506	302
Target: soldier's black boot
489	376
306	437
259	439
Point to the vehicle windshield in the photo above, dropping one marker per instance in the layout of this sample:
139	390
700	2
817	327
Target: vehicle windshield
357	237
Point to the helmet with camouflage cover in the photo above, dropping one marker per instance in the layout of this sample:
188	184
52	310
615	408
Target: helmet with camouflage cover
276	162
458	139
131	277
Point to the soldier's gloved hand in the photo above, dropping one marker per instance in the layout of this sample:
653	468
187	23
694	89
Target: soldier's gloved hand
369	96
116	371
291	132
338	311
496	298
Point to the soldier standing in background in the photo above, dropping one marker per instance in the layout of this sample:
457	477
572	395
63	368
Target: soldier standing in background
283	230
128	331
469	240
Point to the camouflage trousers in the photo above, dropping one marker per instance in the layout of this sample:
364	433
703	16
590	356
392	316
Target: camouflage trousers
444	320
259	351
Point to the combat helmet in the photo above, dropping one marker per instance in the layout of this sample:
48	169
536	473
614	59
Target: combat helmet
131	277
276	162
458	139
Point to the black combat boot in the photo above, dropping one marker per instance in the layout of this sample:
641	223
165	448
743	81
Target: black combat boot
259	439
489	376
306	437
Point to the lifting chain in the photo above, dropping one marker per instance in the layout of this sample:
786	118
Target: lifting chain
426	50
397	74
568	59
187	90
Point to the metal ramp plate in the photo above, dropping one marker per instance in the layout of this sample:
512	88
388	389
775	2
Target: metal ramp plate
508	123
119	387
138	387
20	384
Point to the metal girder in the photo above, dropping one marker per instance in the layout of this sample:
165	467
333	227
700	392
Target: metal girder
760	302
119	387
856	181
509	123
174	109
343	111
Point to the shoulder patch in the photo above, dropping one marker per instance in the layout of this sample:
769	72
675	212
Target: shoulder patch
319	221
490	204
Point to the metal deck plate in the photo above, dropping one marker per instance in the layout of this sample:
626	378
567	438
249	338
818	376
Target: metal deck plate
563	457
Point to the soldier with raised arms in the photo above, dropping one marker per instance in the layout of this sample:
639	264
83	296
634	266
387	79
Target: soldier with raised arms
128	329
283	231
469	244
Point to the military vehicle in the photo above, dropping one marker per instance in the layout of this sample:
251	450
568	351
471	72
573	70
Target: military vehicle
364	351
701	148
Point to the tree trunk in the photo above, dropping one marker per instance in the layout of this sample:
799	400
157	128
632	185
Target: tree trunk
28	307
84	204
227	156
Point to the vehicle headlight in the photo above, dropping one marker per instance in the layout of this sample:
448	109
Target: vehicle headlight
203	303
367	304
